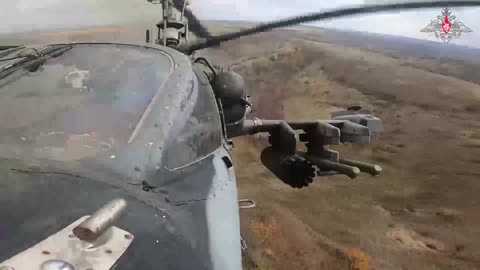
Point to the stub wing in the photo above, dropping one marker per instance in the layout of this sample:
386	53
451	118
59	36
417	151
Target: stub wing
296	167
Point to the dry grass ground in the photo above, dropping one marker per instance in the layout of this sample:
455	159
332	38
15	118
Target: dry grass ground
422	213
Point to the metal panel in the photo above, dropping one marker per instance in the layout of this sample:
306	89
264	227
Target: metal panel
63	246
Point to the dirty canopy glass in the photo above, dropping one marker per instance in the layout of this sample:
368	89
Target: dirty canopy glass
85	101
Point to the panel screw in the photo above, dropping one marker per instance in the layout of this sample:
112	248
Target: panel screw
56	265
46	252
108	251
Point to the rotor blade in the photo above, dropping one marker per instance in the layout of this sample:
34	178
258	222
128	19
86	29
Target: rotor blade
194	24
6	47
324	15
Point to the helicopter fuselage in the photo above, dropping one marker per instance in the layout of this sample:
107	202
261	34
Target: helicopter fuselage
158	143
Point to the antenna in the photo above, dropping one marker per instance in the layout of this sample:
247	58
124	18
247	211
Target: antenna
147	36
185	3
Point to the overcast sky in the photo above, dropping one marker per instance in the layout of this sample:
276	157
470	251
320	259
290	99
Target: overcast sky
21	15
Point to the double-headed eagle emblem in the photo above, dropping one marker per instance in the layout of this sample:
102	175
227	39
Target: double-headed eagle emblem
446	26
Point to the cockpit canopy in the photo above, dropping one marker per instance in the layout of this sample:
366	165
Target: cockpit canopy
90	99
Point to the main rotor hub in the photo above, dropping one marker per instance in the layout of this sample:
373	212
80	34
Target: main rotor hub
173	28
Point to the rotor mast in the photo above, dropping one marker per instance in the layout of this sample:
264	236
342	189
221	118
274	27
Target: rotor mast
172	30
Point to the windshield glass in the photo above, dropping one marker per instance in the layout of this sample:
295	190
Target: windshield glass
88	99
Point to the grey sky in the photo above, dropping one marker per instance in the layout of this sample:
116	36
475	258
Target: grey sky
21	15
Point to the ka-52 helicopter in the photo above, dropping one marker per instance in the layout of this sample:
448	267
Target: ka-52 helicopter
145	130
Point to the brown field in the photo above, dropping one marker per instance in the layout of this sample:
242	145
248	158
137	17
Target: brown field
421	213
